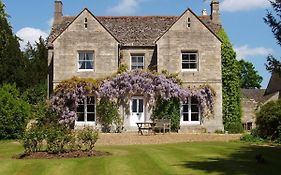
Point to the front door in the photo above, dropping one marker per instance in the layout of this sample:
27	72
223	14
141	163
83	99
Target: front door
137	110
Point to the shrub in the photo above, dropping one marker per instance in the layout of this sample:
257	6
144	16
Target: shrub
57	138
251	138
269	121
14	113
87	138
168	109
235	127
36	94
33	139
108	114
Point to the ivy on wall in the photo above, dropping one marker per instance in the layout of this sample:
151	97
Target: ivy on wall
231	86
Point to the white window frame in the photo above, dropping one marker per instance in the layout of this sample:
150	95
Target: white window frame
189	122
85	122
197	61
78	60
137	55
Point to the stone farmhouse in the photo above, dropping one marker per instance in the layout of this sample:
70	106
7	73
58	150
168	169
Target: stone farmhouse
92	46
253	99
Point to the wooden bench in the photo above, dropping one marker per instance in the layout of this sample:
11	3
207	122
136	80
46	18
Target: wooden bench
162	124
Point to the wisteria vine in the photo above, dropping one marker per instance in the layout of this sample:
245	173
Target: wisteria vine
121	88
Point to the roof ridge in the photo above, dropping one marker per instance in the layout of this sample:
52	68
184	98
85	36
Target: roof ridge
153	16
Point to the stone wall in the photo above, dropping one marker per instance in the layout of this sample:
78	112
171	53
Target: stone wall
181	38
78	38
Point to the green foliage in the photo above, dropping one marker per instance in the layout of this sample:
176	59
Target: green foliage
12	61
108	114
88	137
231	86
273	20
168	109
273	65
33	139
37	67
57	138
269	121
249	77
35	94
122	68
14	112
251	138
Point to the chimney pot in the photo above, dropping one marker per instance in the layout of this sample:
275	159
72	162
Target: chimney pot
204	12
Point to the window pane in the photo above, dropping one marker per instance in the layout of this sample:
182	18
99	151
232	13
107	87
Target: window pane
185	57
185	107
194	108
134	59
134	105
192	57
89	65
194	116
82	64
140	60
91	117
89	56
80	117
185	65
140	67
90	108
81	56
140	105
90	100
185	117
193	66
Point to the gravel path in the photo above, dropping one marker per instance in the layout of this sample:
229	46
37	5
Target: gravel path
133	138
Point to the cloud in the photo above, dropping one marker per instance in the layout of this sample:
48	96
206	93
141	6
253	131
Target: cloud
31	35
243	5
244	52
125	7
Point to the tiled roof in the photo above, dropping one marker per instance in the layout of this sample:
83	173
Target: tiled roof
255	94
274	84
132	30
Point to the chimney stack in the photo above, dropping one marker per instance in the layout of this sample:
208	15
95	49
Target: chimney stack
215	11
58	12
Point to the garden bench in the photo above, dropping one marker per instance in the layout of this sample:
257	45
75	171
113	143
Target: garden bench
162	124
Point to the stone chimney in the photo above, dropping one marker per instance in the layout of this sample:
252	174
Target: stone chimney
215	11
58	12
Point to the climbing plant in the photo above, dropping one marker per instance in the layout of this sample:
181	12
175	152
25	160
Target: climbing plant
121	87
231	86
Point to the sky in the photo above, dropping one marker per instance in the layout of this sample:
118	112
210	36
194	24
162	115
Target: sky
242	20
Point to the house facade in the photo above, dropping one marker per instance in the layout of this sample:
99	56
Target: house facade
92	46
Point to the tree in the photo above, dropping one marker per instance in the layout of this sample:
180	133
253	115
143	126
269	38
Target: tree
12	62
231	86
37	67
249	77
274	22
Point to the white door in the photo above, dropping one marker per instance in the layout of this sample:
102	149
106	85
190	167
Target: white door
137	110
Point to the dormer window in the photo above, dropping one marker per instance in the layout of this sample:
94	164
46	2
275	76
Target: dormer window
188	22
86	23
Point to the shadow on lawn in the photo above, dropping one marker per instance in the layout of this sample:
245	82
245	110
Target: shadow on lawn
246	160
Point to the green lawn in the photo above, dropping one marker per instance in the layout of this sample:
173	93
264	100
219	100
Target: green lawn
188	158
